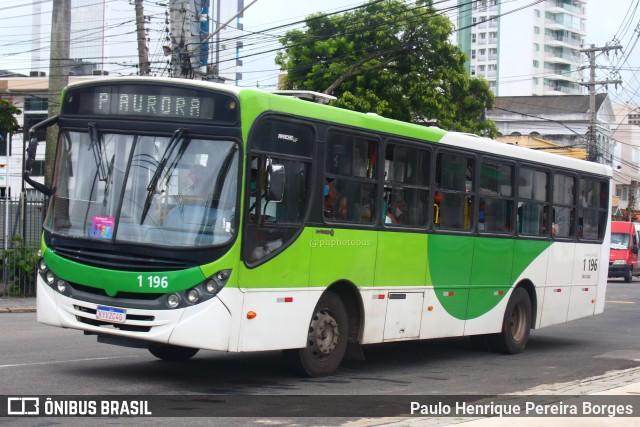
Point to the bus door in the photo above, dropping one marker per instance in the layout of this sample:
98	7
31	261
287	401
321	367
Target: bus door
275	253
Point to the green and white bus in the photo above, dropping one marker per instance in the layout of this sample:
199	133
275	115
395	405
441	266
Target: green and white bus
188	215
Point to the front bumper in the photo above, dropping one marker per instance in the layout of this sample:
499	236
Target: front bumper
205	326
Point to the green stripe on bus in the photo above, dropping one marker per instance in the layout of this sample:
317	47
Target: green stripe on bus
471	275
114	281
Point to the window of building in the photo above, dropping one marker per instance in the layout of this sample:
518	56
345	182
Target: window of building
622	191
635	155
36	104
473	54
536	30
473	38
536	63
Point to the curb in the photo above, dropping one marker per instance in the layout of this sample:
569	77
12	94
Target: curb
18	310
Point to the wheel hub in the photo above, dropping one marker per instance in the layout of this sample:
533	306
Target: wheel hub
323	333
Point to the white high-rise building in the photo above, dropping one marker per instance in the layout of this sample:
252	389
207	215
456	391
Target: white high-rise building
524	49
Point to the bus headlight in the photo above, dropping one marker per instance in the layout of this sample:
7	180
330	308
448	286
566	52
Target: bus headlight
61	285
193	296
619	262
49	277
173	300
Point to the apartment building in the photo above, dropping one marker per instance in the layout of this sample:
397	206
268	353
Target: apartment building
523	49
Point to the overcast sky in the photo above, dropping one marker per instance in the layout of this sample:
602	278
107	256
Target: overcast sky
605	19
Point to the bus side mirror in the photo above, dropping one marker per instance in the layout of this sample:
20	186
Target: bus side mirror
30	155
275	182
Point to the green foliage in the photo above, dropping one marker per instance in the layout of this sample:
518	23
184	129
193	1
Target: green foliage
18	266
392	59
8	111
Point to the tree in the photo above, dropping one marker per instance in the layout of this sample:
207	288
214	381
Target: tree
8	122
392	59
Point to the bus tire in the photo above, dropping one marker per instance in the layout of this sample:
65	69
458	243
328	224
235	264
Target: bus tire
326	340
172	353
629	276
516	324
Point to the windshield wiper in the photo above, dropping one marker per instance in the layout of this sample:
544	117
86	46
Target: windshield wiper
151	188
97	148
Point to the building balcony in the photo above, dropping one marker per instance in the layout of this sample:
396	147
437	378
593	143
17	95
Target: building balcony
560	41
561	7
564	26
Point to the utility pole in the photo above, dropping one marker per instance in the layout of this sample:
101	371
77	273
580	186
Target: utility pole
143	52
58	74
592	143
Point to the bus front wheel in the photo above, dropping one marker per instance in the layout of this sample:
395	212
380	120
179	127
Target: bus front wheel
516	324
172	353
326	339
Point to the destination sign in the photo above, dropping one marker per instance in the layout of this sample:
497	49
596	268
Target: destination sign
150	101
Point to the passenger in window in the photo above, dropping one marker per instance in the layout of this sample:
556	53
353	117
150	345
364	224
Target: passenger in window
436	208
481	215
366	204
329	198
342	208
399	211
390	218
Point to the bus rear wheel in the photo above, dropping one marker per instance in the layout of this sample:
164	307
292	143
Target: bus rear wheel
516	324
172	353
326	339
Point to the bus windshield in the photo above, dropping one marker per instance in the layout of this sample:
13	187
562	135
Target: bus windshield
619	241
161	190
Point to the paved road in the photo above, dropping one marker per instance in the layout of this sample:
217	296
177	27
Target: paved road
586	356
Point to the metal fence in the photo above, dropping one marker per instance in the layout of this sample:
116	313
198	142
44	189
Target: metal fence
21	221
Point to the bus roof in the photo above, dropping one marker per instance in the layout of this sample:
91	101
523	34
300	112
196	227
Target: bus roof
326	113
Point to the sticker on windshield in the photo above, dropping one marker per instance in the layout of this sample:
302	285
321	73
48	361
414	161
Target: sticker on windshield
102	227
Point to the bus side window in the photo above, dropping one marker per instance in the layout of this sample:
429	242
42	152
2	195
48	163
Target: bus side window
455	183
407	176
349	192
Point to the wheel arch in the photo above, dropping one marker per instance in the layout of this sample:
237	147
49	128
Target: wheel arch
352	300
528	286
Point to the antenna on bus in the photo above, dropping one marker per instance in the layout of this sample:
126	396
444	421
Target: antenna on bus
307	95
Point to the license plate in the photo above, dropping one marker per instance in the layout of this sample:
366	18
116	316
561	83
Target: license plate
111	314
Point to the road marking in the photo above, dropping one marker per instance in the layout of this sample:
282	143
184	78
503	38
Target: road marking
619	302
64	361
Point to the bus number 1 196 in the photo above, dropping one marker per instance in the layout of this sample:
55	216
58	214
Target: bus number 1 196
153	281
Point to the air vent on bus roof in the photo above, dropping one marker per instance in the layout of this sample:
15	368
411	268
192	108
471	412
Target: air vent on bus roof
307	95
